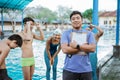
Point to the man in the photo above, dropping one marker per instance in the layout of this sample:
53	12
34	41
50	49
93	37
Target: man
5	45
27	35
76	43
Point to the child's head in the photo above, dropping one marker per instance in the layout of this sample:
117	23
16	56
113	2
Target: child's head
57	34
28	21
57	31
16	41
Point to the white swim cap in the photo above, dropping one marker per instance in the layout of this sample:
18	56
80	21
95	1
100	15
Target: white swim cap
57	31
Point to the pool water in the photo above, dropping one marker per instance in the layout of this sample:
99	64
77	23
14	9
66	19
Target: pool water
14	68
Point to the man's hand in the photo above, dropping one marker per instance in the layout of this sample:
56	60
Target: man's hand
73	44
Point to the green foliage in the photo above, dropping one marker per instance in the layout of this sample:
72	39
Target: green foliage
88	14
41	13
44	14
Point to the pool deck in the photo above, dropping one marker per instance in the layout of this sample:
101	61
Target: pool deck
111	70
109	67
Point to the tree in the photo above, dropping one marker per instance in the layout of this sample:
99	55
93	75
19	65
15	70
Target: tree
41	13
63	13
88	14
13	15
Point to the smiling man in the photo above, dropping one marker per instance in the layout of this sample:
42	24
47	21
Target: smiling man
77	43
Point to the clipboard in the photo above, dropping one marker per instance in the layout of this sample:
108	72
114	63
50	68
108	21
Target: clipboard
80	38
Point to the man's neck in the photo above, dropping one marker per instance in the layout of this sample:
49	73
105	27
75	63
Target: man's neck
77	28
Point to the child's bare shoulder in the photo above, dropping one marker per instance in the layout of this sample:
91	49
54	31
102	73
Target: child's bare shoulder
4	47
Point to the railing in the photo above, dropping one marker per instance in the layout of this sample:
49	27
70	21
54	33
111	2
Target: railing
6	34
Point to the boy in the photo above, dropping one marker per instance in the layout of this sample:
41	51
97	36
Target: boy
5	45
27	60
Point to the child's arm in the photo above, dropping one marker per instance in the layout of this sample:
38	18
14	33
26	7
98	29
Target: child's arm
48	47
100	31
3	55
41	37
56	53
28	33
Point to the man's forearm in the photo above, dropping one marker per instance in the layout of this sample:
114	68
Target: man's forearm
70	50
88	48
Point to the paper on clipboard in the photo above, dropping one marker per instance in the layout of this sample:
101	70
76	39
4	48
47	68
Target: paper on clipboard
80	38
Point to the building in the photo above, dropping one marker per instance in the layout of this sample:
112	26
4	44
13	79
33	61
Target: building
107	19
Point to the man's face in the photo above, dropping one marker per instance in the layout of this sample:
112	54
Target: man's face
76	21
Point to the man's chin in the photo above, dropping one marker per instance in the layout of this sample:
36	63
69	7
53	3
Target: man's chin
77	27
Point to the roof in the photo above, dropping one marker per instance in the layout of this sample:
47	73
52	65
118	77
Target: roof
14	4
108	14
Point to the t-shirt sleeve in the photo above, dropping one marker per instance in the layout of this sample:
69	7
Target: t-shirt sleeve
91	38
64	37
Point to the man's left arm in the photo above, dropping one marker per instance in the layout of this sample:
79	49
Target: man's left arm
91	45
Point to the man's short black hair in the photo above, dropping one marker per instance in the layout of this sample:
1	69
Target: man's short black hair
75	12
18	39
26	19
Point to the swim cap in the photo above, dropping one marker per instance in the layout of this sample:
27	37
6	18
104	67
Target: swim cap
57	31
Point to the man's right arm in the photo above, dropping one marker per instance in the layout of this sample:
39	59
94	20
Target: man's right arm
68	50
65	44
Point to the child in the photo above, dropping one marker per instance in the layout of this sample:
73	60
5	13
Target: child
28	61
50	54
5	45
93	56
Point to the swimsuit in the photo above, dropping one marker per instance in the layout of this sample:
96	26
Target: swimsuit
27	61
53	49
4	75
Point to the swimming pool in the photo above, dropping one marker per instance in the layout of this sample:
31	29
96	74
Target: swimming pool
14	66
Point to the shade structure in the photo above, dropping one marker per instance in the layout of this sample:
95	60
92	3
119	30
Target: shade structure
14	4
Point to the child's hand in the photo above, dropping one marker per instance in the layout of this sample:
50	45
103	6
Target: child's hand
91	26
28	24
51	61
37	25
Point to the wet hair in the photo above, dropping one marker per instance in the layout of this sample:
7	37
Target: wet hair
75	12
18	39
26	19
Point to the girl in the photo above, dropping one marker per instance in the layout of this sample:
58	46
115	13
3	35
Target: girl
50	54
